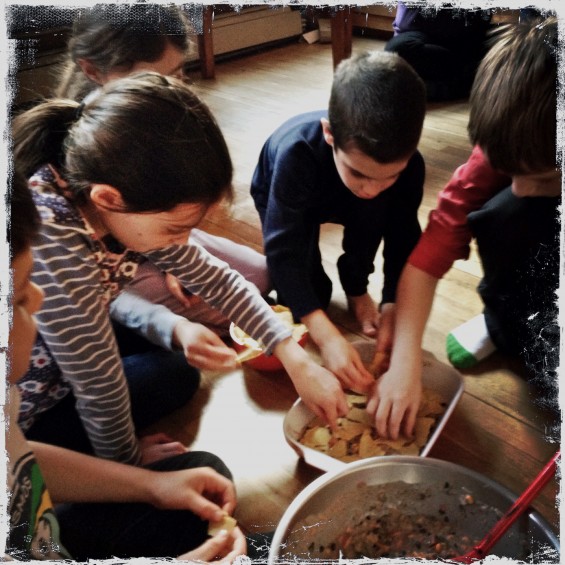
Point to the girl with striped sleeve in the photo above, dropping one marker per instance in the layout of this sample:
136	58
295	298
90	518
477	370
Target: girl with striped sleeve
118	181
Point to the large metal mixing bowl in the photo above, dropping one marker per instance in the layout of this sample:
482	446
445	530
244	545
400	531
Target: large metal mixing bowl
322	507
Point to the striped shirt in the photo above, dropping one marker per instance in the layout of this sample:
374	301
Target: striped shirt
81	275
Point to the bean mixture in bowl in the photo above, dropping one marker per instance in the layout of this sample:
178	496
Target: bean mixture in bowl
393	520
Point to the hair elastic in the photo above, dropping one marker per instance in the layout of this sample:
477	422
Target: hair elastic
78	111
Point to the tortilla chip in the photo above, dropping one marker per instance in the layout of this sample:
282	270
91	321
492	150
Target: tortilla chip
395	445
432	403
338	449
349	430
350	458
317	438
359	415
411	449
227	523
422	430
368	447
356	399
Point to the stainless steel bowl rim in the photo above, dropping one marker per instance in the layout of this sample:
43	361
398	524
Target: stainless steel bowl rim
318	484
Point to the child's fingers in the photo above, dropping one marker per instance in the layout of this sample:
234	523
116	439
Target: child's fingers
379	364
238	546
382	418
342	406
372	403
212	357
210	549
369	328
410	421
332	410
218	494
177	290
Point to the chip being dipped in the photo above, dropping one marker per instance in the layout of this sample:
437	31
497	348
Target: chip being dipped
227	523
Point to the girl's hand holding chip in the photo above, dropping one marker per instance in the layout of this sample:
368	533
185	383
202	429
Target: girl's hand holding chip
203	349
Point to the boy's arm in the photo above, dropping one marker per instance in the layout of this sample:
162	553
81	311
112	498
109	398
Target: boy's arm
337	353
396	396
289	202
445	239
416	292
75	477
447	235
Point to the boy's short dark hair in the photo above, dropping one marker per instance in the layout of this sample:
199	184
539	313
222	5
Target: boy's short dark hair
378	105
23	220
513	114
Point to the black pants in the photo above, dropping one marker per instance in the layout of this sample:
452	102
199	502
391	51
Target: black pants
447	69
126	530
518	243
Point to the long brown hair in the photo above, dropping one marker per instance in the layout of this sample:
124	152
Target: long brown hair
114	37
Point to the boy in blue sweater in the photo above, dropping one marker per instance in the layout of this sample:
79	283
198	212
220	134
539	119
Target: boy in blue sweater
355	165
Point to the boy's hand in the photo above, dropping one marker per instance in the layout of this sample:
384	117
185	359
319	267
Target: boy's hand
322	393
224	547
203	349
343	360
366	312
395	399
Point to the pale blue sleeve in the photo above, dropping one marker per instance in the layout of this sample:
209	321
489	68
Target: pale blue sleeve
155	322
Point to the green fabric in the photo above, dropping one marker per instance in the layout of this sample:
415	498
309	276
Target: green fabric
458	356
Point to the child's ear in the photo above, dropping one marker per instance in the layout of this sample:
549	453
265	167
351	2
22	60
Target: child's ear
327	131
107	198
91	71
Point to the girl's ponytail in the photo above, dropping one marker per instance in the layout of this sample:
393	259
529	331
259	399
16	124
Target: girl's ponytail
147	135
39	135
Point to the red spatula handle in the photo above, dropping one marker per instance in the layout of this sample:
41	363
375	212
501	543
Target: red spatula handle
520	505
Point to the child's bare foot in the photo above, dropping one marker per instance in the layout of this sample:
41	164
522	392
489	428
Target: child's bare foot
366	312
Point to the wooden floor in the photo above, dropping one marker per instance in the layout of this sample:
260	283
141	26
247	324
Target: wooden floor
496	429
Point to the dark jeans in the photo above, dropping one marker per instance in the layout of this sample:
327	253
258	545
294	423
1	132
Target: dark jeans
447	69
159	382
126	530
518	243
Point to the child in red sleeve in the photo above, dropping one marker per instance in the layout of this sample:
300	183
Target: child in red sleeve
507	197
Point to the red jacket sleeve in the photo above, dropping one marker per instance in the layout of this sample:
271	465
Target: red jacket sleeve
447	235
